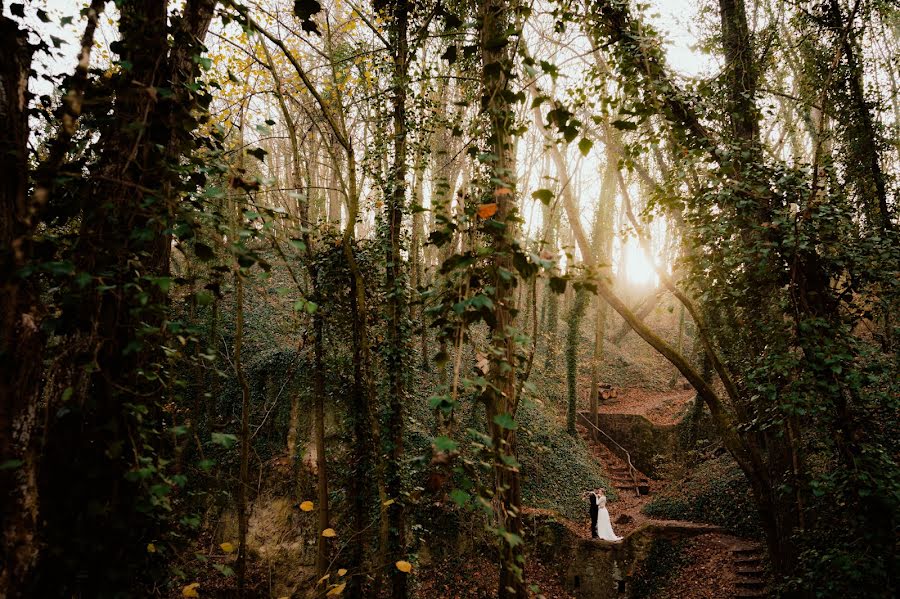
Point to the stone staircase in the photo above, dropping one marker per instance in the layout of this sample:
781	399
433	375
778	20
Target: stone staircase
617	469
749	572
623	482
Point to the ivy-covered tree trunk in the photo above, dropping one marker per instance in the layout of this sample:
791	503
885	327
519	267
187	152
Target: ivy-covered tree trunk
396	279
863	143
418	261
104	390
550	308
500	396
243	482
602	243
573	340
21	343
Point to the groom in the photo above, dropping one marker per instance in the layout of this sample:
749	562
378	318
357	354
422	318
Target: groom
592	499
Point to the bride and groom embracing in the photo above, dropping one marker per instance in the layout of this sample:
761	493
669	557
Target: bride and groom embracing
601	527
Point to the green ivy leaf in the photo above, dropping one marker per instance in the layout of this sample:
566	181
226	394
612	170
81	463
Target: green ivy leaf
258	153
544	195
226	440
558	284
224	569
460	497
450	54
585	145
444	443
203	298
305	9
505	421
624	125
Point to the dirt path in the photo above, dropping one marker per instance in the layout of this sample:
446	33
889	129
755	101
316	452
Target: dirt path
659	407
716	564
625	510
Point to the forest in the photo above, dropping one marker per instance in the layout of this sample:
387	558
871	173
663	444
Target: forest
338	298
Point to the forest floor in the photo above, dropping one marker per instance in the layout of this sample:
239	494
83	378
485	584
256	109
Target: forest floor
710	565
659	407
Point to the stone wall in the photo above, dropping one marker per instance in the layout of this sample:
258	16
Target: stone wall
643	439
596	569
646	441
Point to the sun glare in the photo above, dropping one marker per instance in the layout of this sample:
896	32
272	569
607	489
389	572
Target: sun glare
638	268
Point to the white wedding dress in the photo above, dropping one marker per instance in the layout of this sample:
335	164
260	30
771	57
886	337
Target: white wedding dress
604	526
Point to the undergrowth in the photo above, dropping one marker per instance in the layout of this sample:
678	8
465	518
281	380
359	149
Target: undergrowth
716	492
662	563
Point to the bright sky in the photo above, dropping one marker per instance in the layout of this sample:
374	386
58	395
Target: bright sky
676	19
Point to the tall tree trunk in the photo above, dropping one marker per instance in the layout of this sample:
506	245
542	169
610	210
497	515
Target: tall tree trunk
500	397
321	456
21	344
679	346
864	147
573	340
318	372
244	471
111	371
398	309
418	259
602	242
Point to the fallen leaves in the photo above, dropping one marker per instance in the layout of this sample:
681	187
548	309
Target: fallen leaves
482	363
191	590
487	210
404	566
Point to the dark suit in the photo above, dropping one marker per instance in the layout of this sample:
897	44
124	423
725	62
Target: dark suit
592	498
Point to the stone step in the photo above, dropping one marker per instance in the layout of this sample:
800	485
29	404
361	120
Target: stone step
755	583
750	593
750	572
748	561
747	551
627	479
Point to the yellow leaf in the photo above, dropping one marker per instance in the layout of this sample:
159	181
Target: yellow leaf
342	571
329	532
307	506
487	210
151	548
323	579
404	566
388	502
334	592
190	590
227	547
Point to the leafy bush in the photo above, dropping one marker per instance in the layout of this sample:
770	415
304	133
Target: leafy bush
663	561
716	492
556	467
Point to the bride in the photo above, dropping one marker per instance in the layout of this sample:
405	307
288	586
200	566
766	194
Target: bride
604	527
